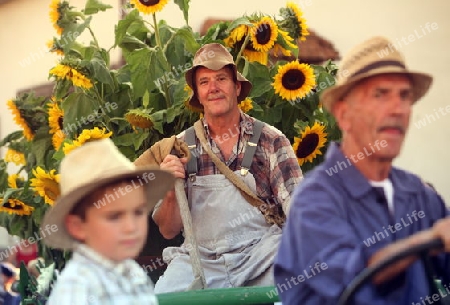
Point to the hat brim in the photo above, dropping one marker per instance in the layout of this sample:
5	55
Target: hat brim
246	85
421	83
156	188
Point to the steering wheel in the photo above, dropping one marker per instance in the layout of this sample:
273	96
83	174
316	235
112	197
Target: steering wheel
367	274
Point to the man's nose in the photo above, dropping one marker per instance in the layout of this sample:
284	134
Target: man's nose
213	86
400	105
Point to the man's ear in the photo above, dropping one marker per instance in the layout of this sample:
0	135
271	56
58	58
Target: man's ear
340	112
76	227
238	88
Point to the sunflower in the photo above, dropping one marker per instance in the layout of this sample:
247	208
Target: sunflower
293	21
186	102
308	146
55	15
46	184
264	34
139	118
149	6
55	121
301	23
55	117
246	105
62	71
15	206
294	80
236	35
27	132
14	156
54	46
13	179
87	135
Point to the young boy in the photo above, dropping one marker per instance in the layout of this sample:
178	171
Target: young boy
101	216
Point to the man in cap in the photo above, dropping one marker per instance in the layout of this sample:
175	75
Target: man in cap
356	209
237	243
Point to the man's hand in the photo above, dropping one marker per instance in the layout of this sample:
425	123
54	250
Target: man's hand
441	229
175	165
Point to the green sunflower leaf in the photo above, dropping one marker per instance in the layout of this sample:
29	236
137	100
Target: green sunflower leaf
184	7
94	6
80	111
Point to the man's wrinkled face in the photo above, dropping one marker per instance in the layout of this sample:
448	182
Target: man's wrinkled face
217	91
376	109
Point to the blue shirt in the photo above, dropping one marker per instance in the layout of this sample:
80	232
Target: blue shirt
336	224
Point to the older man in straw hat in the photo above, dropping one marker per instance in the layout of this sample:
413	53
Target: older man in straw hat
356	208
237	225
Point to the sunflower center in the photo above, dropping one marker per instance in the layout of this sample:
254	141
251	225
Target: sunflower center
13	205
51	189
149	2
263	33
60	122
308	145
293	79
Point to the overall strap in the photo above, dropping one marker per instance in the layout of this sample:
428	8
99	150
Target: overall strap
192	163
251	147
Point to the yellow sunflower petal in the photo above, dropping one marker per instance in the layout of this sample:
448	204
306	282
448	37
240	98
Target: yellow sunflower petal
86	135
46	184
57	139
62	71
246	105
308	146
236	35
27	132
54	47
294	80
261	57
55	15
12	180
14	156
80	80
69	147
93	134
149	6
55	118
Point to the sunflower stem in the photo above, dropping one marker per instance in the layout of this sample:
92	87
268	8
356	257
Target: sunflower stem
244	44
93	37
158	42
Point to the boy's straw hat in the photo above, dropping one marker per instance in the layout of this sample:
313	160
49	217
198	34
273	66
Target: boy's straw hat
89	167
375	56
214	56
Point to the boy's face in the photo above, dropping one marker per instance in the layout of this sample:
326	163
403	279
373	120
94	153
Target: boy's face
118	229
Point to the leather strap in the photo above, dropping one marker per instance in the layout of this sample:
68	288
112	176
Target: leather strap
192	167
245	190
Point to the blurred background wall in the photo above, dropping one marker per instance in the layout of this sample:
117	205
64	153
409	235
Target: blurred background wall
420	29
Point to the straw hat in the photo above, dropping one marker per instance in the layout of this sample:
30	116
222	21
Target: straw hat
89	167
214	56
375	56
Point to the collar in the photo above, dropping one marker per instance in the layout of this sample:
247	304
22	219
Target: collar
128	268
245	122
356	184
